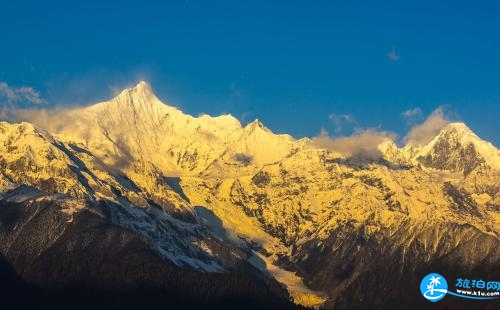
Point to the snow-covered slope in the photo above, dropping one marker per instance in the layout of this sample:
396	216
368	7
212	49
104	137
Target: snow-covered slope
254	147
32	156
199	186
136	126
457	148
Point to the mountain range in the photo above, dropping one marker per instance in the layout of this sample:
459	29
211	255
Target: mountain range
133	195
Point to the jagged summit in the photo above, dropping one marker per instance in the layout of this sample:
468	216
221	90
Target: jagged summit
458	126
256	122
141	87
141	91
142	105
459	129
142	84
458	148
256	125
211	195
135	109
141	95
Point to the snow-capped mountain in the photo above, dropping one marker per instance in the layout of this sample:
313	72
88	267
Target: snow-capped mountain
457	148
211	195
136	126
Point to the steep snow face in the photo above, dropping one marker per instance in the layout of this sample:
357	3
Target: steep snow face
327	217
31	156
136	128
263	146
254	147
393	154
262	193
457	148
136	133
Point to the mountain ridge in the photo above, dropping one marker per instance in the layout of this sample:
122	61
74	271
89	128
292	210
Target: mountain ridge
211	195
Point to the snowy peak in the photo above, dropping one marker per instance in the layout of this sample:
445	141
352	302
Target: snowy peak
139	100
142	96
392	153
262	144
142	107
458	126
143	84
140	92
256	125
457	148
459	131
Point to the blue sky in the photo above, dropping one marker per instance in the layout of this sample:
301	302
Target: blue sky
291	64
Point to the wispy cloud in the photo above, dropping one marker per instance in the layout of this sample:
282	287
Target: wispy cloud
340	119
363	143
23	94
412	115
245	117
393	55
51	119
95	85
423	133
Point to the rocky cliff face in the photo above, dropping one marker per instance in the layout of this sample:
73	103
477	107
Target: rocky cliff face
133	176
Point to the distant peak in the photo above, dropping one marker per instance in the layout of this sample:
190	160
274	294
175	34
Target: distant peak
257	123
457	126
257	127
141	87
459	130
140	93
142	84
458	148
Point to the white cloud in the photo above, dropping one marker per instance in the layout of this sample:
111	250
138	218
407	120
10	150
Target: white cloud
393	55
24	94
52	119
6	91
412	115
363	143
340	119
423	133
